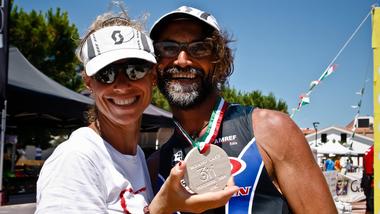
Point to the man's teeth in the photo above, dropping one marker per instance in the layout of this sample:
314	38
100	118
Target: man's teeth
184	75
125	101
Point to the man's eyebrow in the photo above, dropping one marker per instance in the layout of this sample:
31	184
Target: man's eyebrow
167	40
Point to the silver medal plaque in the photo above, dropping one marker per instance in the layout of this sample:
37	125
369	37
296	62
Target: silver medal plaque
207	172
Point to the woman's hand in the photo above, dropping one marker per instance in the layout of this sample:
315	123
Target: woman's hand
174	197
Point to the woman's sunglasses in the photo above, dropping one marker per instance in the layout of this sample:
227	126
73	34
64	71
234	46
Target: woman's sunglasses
170	49
108	74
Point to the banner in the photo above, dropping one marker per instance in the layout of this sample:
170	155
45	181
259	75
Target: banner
344	188
4	14
332	180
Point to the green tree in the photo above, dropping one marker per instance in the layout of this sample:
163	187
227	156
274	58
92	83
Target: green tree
159	100
48	41
254	98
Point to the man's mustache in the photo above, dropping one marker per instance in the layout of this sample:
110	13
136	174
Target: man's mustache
175	69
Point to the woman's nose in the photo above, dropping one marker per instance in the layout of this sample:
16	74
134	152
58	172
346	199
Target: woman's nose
122	82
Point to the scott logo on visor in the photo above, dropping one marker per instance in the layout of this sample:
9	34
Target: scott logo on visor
117	37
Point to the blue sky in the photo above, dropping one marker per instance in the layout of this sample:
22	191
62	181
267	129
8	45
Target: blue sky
280	47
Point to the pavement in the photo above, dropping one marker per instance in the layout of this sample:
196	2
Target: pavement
18	208
359	207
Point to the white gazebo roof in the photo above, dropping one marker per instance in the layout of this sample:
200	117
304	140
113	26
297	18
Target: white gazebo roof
334	148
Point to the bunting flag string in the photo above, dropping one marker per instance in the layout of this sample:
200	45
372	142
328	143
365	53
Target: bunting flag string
305	98
358	107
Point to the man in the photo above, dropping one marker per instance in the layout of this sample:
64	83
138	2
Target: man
272	162
367	182
329	164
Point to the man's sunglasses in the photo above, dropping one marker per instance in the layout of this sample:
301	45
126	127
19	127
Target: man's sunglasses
108	74
170	49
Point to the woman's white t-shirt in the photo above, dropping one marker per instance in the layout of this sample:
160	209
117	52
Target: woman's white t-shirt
85	174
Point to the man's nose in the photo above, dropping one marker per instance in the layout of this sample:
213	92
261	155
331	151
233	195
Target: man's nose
183	59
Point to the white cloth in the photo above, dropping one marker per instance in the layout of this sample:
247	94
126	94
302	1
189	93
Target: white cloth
85	174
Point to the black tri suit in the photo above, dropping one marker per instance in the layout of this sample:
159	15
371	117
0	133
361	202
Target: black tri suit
257	194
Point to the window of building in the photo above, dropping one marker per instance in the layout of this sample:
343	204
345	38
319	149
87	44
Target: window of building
343	137
363	123
324	138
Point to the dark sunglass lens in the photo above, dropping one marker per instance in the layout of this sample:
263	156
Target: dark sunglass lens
106	75
200	49
136	72
167	49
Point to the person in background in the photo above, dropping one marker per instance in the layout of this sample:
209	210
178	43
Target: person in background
271	160
367	182
349	166
101	168
329	163
337	165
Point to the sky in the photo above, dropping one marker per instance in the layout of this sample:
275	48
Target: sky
279	47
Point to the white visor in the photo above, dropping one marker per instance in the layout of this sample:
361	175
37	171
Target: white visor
114	43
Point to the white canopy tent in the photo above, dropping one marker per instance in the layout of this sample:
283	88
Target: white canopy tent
334	148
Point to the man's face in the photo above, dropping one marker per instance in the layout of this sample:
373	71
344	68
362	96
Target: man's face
184	80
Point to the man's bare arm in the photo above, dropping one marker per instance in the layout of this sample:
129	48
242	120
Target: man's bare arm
289	160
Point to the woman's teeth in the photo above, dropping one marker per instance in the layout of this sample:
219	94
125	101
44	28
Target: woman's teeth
124	101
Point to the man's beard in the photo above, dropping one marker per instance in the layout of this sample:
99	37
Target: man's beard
180	95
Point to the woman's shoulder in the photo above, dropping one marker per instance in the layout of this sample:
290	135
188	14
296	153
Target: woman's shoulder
82	143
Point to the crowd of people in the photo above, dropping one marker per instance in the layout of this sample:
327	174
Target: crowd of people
102	169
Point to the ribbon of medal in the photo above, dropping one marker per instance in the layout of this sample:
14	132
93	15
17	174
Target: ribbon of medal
203	143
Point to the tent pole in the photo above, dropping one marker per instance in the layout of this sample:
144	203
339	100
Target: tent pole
2	139
2	142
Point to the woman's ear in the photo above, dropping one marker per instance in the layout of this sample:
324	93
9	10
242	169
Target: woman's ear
87	81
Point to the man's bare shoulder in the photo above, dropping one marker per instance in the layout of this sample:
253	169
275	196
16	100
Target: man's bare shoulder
275	122
276	133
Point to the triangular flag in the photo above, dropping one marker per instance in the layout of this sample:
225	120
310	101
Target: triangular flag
328	72
361	92
305	100
313	84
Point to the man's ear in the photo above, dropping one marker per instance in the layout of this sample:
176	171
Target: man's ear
153	74
158	68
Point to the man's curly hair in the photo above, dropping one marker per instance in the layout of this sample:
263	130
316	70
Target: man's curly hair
223	63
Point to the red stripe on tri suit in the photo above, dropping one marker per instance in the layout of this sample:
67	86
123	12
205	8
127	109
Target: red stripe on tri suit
122	199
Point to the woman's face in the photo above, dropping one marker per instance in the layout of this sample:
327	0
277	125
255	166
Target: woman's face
123	101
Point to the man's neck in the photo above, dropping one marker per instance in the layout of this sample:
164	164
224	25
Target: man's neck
194	119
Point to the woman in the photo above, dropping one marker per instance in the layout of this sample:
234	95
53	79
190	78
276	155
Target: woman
101	168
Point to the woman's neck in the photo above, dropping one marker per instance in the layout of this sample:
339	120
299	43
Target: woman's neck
123	138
